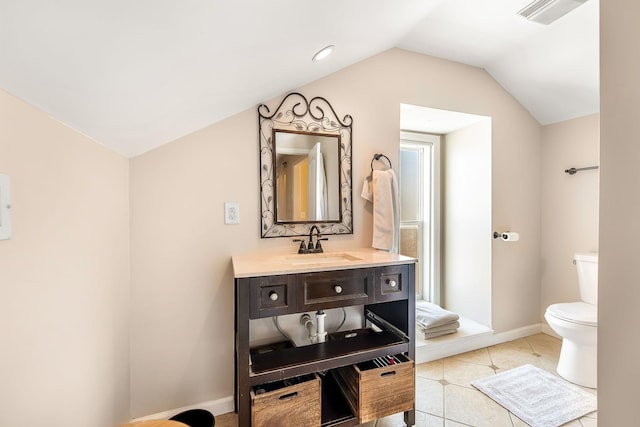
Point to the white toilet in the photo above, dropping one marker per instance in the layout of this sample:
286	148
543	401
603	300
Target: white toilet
577	324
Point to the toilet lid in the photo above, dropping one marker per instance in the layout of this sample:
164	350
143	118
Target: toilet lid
576	312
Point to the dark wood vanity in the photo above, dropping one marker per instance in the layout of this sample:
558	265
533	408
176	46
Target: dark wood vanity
336	382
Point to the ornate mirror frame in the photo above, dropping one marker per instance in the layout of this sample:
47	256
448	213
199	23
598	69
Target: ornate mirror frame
316	116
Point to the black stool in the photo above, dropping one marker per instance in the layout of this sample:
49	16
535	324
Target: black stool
195	418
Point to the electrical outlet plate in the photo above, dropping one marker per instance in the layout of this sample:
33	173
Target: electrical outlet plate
232	213
5	208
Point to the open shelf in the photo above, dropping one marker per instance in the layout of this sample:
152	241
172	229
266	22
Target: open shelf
335	409
296	356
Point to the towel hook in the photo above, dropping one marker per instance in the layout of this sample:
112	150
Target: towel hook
377	157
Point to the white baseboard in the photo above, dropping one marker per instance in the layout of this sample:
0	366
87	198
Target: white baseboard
446	348
425	353
547	330
216	407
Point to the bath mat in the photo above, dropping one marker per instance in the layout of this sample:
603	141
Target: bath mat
537	397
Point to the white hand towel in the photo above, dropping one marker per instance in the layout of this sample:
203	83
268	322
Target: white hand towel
434	334
386	219
367	192
447	326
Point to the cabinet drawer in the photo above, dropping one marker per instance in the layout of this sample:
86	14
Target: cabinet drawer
334	289
375	390
271	296
392	283
293	402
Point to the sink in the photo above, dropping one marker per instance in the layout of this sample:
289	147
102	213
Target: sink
323	258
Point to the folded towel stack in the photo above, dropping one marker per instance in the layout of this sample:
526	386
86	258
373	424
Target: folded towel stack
434	321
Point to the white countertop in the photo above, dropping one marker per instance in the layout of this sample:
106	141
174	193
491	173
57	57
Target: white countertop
265	264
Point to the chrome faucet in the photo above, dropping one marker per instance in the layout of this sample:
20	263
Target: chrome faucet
310	248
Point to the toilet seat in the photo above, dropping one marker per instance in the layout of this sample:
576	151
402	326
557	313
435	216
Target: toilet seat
580	313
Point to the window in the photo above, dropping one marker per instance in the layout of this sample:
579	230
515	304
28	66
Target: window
420	209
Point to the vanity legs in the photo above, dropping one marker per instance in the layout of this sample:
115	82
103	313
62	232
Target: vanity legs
242	386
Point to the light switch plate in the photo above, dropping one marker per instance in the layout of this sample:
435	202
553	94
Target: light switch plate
5	208
232	213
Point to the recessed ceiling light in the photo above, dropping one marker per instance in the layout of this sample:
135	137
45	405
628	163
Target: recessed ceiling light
323	53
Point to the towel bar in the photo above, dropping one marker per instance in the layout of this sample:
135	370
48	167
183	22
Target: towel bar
572	171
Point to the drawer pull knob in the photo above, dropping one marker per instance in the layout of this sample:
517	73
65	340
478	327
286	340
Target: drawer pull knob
392	283
338	289
273	296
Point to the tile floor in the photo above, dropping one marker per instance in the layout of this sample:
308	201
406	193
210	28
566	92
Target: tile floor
445	398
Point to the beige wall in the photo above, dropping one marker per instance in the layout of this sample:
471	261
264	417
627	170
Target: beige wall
182	322
569	204
619	275
466	222
64	276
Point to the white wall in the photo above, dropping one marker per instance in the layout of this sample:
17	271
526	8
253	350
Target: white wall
466	222
64	276
182	322
619	275
569	205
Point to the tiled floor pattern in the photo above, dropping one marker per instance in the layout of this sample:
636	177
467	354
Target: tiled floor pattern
445	397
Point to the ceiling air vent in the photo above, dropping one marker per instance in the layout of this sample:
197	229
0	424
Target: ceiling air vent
547	11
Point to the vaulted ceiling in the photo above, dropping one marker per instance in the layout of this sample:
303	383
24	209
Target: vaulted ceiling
134	75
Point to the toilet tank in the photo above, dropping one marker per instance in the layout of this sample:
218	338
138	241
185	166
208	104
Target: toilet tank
587	267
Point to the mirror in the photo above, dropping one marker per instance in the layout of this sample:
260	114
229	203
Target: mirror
305	168
307	176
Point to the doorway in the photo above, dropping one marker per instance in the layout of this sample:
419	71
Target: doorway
445	198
